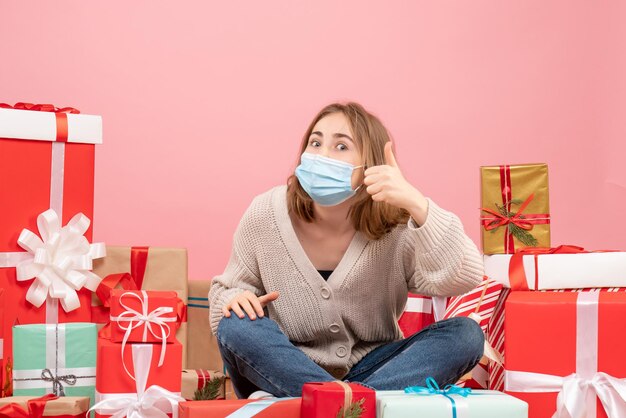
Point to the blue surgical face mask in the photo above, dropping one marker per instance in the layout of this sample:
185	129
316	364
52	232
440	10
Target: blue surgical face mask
326	180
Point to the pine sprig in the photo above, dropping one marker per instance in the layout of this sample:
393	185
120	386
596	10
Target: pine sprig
355	410
210	390
522	235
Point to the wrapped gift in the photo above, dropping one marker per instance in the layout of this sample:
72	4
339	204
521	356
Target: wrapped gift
229	390
2	366
449	403
45	406
209	384
202	349
132	380
478	304
515	207
418	314
145	315
243	408
332	399
47	161
563	267
58	359
150	268
567	343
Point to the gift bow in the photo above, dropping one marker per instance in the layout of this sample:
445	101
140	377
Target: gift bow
153	402
577	392
432	388
498	220
146	319
39	107
57	381
60	261
34	409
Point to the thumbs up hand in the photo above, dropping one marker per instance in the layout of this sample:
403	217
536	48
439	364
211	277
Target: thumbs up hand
385	183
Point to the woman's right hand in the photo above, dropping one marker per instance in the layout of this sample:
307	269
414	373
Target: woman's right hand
250	303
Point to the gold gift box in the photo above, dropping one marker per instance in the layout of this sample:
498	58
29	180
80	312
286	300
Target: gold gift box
65	405
522	180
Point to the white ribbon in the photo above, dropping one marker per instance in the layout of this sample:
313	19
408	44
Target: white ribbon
154	402
59	262
577	392
146	319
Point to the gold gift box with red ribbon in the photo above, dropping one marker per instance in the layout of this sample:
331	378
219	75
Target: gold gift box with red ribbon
515	209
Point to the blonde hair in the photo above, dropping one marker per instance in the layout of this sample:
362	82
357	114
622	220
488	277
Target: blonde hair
372	218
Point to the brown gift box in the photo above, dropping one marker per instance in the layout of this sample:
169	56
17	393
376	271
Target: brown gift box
202	350
165	269
193	380
65	405
500	184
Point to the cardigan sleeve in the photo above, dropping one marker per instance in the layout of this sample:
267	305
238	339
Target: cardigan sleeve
439	258
242	271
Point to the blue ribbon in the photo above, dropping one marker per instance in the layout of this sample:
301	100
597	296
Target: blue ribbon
432	388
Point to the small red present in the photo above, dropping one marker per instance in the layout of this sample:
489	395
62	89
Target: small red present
264	408
144	316
337	399
134	377
418	314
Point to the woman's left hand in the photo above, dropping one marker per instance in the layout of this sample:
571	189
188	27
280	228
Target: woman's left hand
387	184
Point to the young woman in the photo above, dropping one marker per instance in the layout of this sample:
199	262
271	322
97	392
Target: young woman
320	269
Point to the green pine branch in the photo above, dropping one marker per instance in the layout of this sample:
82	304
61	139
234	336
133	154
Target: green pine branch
522	235
210	390
355	410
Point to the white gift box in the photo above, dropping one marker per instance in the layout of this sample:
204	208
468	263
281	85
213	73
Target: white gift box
563	271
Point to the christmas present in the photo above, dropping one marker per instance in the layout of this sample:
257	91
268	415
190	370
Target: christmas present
198	385
132	380
54	358
451	402
567	343
418	314
562	267
47	157
149	268
337	399
243	408
515	206
144	315
202	349
229	390
45	406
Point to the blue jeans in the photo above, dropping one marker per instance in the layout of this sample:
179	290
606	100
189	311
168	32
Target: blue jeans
259	356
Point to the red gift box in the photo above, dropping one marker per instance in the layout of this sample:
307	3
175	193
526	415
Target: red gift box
569	343
144	315
47	161
265	408
326	399
134	373
418	314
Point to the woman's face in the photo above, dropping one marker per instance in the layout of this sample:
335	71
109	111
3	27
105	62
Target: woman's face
332	138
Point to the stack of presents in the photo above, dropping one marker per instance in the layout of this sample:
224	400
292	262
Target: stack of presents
94	330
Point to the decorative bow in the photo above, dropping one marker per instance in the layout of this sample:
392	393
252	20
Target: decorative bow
432	388
498	219
39	107
57	386
146	319
60	261
154	402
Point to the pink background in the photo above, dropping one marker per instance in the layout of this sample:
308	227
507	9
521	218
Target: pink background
204	103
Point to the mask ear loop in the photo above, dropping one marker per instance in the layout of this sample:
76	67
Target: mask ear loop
354	168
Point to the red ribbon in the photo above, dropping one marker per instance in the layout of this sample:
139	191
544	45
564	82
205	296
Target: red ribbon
138	263
524	221
204	376
35	408
517	274
60	113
